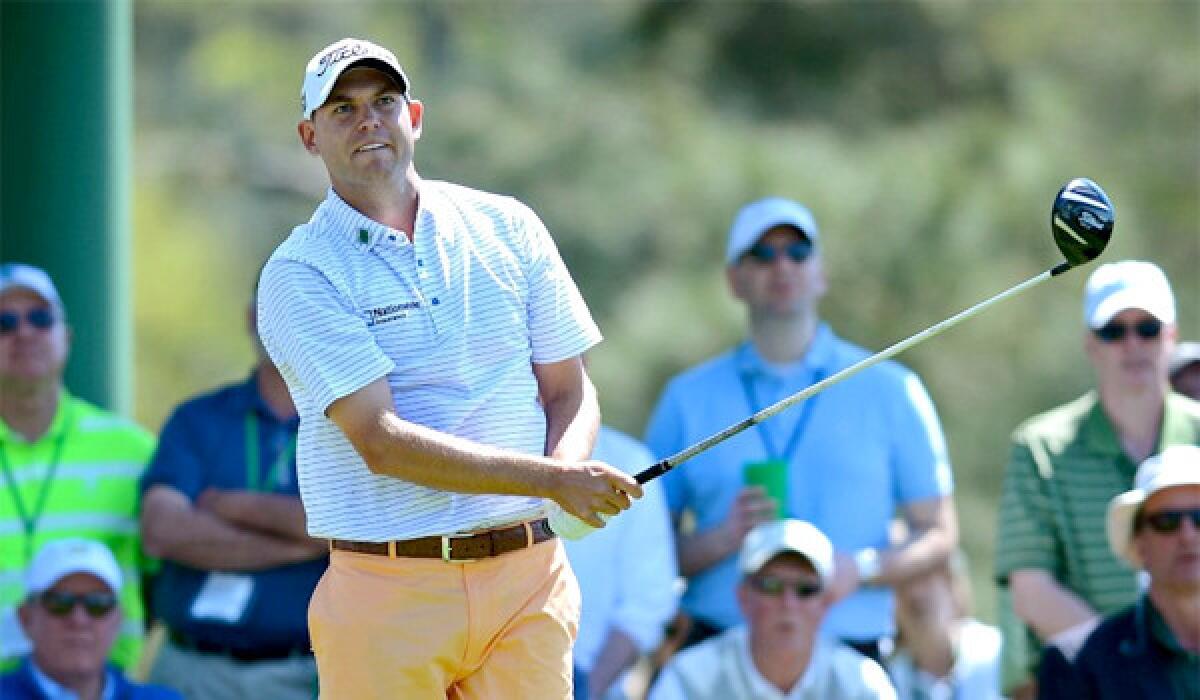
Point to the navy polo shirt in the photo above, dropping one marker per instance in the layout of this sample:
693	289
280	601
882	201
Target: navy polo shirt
204	444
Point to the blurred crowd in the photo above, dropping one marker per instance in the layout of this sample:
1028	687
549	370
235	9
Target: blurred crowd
814	555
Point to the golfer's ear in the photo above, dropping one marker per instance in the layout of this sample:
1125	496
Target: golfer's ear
416	115
308	136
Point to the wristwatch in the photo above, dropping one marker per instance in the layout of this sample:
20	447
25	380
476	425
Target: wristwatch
868	564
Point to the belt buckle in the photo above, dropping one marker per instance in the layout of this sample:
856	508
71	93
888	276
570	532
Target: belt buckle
447	555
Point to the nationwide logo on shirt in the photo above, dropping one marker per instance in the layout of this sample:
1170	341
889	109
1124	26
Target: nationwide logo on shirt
391	312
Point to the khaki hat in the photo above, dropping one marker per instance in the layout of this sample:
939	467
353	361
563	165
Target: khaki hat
1178	465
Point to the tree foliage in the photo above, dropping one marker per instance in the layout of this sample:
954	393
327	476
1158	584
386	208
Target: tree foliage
928	137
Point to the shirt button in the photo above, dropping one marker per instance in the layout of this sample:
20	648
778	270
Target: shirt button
420	263
435	301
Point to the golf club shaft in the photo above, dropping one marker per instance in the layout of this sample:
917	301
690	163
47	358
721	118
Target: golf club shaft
671	462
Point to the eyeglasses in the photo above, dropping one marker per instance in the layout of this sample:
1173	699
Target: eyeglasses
40	319
775	586
1164	522
61	604
1115	331
796	251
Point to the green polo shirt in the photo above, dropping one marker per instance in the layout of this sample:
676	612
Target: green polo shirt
80	479
1065	467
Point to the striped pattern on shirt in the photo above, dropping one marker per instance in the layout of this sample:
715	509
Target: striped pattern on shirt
453	320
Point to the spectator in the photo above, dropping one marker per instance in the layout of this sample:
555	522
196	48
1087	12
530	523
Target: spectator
1185	370
779	653
221	507
851	456
626	574
1152	648
70	468
1067	463
72	615
941	651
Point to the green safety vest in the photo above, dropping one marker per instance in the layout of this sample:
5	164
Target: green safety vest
80	479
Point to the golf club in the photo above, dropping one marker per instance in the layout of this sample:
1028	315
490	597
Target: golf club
1081	220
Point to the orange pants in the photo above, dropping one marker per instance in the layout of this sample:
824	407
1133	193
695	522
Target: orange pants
494	628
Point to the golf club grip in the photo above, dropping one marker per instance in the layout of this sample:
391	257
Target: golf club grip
671	462
653	472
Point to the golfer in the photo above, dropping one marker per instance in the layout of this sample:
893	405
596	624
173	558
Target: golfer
431	338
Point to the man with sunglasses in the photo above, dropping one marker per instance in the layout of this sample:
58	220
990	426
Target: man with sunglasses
846	460
1152	648
1067	463
67	467
784	567
72	615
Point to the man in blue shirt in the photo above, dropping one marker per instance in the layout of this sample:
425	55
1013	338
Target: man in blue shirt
71	615
847	460
222	509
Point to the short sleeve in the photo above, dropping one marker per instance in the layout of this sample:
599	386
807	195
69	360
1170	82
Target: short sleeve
920	459
1025	531
313	334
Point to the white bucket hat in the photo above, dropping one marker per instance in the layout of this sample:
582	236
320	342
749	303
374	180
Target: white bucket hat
1178	465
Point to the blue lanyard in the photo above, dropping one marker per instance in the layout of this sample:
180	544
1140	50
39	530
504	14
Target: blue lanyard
806	409
29	518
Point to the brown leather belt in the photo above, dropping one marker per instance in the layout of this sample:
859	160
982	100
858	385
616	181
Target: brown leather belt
464	547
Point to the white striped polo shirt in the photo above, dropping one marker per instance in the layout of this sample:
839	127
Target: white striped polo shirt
453	320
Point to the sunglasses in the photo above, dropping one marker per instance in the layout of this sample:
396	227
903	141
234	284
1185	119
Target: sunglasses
40	319
775	586
1165	522
61	604
1115	331
796	251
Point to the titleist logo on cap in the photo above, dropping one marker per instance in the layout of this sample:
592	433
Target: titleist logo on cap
340	54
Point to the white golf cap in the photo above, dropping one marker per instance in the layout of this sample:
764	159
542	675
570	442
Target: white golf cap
35	279
1129	284
61	558
769	540
329	63
1178	465
756	218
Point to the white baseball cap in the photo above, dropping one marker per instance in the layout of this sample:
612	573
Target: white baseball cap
756	218
1129	284
1178	465
768	540
61	558
329	63
35	279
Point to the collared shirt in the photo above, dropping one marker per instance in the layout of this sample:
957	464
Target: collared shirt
54	691
722	668
1181	665
78	480
869	445
204	445
1064	468
626	570
453	321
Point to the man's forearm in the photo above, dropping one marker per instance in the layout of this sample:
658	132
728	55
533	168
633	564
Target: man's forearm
1046	605
932	538
619	653
273	514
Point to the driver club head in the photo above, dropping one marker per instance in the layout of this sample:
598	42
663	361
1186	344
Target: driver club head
1081	220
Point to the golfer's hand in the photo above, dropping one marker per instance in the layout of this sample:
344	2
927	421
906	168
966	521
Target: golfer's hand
751	507
591	488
